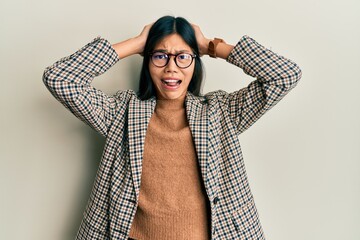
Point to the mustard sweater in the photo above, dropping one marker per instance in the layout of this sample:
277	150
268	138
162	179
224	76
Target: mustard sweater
172	199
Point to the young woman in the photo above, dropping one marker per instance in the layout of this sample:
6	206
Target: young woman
172	166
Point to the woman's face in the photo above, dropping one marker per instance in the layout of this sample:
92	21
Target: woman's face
171	82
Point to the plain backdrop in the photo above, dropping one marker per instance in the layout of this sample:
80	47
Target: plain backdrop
302	157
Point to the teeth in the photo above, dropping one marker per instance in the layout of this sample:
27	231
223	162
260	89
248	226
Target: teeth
171	81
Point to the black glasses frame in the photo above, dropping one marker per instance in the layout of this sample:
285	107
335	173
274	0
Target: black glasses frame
169	56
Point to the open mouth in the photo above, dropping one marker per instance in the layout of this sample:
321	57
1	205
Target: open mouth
171	82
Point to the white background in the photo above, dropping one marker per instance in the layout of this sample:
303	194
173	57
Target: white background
302	157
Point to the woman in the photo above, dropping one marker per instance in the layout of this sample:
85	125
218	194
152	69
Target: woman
172	166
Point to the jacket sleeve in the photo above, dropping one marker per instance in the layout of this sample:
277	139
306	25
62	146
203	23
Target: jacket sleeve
69	81
275	77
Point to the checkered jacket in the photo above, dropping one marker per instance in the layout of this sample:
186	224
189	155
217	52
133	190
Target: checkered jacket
215	119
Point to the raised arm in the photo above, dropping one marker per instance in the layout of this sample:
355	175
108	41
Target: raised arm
275	77
69	80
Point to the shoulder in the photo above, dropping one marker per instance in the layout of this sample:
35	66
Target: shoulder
127	97
218	96
213	101
215	94
122	98
125	94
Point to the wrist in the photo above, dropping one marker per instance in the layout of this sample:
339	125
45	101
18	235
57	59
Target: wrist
139	44
205	47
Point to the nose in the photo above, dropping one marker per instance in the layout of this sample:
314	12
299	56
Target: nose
171	66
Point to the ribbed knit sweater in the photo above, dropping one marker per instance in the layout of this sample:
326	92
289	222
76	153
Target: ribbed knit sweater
172	199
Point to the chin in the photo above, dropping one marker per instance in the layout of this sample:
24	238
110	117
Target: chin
172	96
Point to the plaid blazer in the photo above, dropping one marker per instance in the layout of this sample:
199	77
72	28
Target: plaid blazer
215	119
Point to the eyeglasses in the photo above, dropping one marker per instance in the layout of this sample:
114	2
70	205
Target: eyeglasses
182	60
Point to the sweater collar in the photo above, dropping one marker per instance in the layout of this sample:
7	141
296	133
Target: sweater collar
178	103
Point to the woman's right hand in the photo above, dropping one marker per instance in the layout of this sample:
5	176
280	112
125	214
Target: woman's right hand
133	45
142	37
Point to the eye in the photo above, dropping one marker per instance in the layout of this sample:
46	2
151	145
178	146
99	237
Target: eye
184	56
159	56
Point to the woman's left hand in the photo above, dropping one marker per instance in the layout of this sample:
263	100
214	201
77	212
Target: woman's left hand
203	42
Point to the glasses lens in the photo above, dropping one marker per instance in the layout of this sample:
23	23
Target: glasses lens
183	60
159	59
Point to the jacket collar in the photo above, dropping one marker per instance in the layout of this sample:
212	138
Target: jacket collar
140	112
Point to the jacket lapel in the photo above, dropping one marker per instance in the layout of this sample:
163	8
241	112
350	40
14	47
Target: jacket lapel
139	116
197	116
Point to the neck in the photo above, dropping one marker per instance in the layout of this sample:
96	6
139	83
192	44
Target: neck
174	104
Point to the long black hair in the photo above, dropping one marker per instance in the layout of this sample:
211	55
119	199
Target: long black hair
163	27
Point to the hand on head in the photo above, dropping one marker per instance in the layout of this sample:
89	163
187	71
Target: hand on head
202	41
143	36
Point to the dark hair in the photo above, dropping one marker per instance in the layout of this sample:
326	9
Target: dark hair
163	27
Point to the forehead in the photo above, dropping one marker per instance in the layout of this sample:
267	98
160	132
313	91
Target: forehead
172	43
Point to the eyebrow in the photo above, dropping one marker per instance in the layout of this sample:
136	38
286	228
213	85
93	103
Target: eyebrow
176	52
